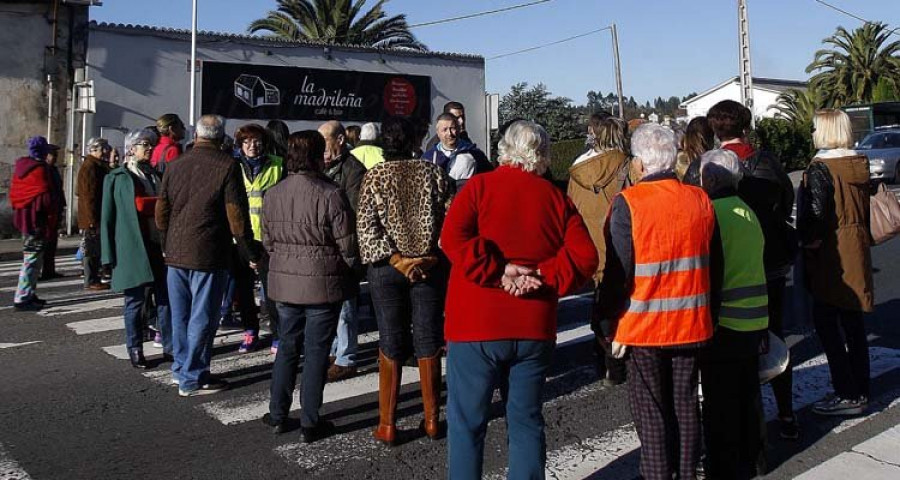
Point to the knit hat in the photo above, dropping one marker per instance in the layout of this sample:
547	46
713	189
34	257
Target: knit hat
39	148
368	132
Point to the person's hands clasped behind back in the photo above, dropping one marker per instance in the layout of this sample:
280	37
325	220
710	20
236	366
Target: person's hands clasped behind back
415	269
519	281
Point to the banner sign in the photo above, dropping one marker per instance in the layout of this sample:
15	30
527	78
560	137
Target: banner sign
264	92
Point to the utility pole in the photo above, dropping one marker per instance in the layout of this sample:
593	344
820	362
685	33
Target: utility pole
746	75
193	67
615	39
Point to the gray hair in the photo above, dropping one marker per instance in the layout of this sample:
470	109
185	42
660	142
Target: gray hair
210	127
97	142
526	145
369	132
719	169
655	146
135	136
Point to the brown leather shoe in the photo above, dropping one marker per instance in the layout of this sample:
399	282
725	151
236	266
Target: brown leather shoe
337	373
430	382
98	287
389	372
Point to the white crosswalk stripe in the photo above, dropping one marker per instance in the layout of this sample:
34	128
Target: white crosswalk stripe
9	468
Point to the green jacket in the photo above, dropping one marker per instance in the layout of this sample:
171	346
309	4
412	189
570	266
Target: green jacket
121	244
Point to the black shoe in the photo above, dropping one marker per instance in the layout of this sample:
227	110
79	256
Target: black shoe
28	306
322	429
167	357
277	427
50	276
136	355
789	428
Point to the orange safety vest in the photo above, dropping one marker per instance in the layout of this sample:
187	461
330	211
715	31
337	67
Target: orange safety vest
671	227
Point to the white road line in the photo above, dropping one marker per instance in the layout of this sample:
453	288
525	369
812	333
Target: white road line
120	352
9	468
221	366
48	285
14	272
874	459
54	298
876	406
97	325
14	345
16	265
57	310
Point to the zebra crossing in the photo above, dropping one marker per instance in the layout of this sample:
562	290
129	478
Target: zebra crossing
87	314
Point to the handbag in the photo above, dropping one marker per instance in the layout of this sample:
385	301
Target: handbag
884	215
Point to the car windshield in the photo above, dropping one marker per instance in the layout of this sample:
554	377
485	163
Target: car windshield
874	140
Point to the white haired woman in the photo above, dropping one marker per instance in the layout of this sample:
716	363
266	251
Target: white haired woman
732	403
130	242
834	228
502	298
654	301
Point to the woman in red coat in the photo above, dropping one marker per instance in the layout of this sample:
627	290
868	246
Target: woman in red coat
516	244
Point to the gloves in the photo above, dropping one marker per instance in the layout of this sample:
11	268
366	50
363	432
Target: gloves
618	350
413	268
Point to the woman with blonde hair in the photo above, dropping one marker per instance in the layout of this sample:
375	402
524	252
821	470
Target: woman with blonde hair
698	139
834	228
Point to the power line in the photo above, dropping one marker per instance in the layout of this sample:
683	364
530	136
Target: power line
857	17
550	44
479	14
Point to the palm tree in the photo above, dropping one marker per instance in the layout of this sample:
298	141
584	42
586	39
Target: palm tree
798	106
339	22
850	71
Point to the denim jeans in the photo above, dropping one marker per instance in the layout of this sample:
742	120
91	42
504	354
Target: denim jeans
474	369
32	264
134	319
228	297
268	303
310	329
91	257
346	344
194	299
400	304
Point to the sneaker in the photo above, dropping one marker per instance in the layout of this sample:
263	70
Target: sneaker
337	372
157	340
838	406
209	388
250	343
789	427
174	382
274	348
29	306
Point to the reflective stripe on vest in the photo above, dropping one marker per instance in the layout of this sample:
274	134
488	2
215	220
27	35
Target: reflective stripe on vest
672	225
745	301
269	175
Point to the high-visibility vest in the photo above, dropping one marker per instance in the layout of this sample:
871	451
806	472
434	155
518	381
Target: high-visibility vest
672	226
269	175
745	303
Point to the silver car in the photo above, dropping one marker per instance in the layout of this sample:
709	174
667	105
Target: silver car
882	148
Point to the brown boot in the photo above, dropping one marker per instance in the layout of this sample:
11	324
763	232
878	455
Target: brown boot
389	372
430	378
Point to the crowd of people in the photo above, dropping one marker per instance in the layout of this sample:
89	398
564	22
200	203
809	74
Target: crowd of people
686	241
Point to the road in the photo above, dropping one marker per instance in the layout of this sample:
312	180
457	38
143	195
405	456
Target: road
72	407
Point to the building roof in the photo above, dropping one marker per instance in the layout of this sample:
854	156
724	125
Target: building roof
208	37
776	85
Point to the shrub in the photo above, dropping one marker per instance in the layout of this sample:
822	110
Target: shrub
789	141
562	154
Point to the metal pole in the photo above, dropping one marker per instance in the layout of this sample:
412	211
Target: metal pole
49	108
193	66
615	39
746	75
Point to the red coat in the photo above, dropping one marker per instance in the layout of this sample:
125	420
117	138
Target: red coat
166	151
511	216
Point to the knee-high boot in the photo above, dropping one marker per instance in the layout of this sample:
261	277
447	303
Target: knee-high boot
430	378
389	372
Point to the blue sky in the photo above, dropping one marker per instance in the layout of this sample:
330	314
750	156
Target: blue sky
668	47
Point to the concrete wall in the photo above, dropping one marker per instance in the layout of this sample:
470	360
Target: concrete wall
27	57
139	75
764	101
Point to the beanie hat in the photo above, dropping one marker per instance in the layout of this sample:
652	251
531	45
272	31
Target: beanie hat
38	147
368	132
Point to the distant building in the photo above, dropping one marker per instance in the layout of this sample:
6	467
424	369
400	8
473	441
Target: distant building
765	96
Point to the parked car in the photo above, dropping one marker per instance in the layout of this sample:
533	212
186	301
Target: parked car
882	148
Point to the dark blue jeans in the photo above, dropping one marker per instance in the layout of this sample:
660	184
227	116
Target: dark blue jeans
474	369
134	318
400	304
308	329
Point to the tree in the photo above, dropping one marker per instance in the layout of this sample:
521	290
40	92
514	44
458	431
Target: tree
340	22
850	71
798	106
556	114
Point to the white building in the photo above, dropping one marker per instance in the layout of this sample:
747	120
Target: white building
765	96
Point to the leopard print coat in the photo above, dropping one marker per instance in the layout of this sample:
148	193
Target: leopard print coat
402	204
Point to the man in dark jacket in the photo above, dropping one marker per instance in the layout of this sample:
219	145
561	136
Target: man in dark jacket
348	172
202	209
766	188
89	190
35	212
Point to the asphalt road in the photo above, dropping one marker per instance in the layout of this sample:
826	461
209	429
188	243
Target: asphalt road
71	409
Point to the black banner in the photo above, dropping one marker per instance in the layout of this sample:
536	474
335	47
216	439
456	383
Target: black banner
263	92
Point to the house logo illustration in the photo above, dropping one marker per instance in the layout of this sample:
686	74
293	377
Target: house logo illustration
256	92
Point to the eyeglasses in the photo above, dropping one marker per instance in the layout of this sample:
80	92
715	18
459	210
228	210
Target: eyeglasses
144	145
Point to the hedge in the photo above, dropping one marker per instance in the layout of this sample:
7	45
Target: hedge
562	154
